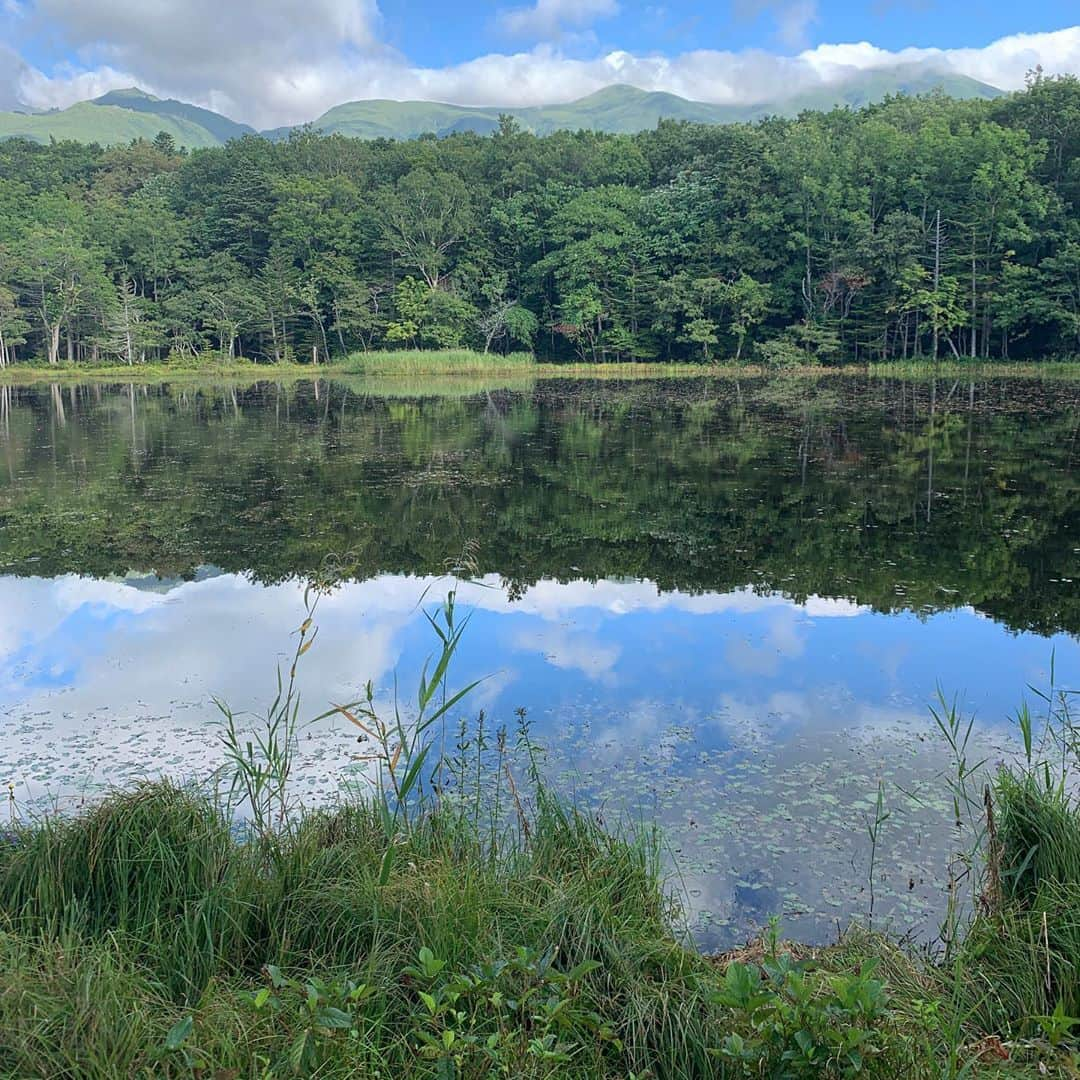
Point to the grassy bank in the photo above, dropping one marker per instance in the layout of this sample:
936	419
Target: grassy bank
452	365
144	939
455	919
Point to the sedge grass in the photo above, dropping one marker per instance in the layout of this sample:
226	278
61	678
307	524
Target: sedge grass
437	362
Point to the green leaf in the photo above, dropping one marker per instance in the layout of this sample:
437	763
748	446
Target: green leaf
300	1051
329	1017
386	866
179	1032
579	971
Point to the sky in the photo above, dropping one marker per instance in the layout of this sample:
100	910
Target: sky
286	61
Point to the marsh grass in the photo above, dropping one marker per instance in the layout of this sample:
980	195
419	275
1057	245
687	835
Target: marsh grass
451	372
436	362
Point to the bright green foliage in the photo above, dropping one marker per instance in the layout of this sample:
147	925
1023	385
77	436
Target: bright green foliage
917	228
803	1023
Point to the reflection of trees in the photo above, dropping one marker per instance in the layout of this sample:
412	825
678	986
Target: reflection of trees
804	488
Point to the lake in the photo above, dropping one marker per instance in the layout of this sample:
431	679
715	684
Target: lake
725	606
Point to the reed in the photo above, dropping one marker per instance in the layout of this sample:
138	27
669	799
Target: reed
436	362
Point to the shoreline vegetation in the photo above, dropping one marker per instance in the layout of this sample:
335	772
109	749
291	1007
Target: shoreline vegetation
467	365
451	917
914	228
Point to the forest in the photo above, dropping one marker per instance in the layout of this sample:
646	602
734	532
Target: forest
916	228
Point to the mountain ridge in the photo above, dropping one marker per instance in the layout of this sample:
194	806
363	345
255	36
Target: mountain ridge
122	115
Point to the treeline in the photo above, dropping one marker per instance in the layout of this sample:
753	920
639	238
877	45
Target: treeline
915	228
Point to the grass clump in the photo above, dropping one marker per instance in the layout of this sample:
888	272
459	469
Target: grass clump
551	954
436	362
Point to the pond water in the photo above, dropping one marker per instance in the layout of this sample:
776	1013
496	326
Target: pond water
726	606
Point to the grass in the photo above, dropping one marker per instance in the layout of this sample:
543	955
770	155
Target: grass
452	918
176	918
437	362
449	371
145	938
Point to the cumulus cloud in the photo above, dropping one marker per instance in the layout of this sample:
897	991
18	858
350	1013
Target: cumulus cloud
546	20
287	61
260	62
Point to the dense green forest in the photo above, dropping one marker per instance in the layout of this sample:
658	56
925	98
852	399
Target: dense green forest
918	227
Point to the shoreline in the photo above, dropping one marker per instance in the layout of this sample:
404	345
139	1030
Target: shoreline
33	375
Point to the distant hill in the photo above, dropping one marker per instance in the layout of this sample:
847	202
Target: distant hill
123	115
108	125
623	108
221	127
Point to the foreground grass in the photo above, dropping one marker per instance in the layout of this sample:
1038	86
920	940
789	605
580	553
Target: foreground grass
147	911
143	938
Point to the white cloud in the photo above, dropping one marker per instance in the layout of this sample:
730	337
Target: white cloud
259	62
793	22
546	20
287	61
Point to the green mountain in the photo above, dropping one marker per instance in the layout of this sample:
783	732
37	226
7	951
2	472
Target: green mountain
123	115
622	108
221	127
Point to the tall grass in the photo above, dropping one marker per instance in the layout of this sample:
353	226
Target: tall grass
153	898
436	362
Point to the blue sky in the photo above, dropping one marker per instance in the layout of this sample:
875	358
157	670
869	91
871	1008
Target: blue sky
422	30
287	61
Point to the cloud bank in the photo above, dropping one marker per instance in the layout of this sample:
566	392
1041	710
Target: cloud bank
296	58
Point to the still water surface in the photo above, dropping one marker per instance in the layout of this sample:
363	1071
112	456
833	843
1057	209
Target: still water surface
725	606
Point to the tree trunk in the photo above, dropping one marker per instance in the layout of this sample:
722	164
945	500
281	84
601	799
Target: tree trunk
53	340
937	277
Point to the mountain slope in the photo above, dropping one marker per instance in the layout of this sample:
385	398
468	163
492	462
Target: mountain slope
108	125
220	127
622	108
123	115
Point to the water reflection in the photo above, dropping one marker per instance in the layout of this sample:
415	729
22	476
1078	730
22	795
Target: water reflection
725	606
753	727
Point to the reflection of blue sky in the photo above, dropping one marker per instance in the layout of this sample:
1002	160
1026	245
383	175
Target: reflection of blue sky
631	661
712	714
57	660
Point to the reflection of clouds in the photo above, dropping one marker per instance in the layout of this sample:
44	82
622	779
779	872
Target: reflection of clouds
218	635
570	651
32	608
641	723
557	600
221	636
781	641
888	658
114	674
140	670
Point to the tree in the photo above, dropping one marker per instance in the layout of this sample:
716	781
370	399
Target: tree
13	327
129	332
228	298
424	218
60	270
